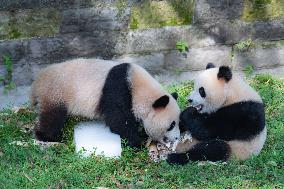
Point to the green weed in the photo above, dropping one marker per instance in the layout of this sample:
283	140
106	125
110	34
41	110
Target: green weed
248	70
243	46
182	46
7	79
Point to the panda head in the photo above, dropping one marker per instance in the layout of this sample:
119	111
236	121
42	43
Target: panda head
161	123
211	89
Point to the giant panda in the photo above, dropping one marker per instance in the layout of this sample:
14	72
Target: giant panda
226	119
123	95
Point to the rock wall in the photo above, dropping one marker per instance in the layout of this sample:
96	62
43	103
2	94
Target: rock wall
37	33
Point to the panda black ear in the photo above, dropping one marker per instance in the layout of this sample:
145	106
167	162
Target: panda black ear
225	73
161	102
175	95
210	65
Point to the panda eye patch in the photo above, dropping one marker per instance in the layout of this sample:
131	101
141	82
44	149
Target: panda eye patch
202	92
172	126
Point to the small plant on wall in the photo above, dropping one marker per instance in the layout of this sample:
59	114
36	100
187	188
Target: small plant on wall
244	46
248	70
6	80
182	47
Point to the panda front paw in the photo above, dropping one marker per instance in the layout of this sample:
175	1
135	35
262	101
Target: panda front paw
190	111
177	158
189	117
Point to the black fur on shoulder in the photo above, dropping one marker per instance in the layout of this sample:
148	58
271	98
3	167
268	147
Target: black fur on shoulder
225	73
239	121
213	150
210	65
161	102
52	118
175	95
116	106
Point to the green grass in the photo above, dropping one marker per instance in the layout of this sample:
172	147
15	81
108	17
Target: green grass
156	14
29	23
265	10
59	167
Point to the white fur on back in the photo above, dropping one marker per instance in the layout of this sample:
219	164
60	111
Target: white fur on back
95	137
239	90
77	83
89	80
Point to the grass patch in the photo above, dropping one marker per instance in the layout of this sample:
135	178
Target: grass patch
262	10
155	14
29	23
58	167
244	45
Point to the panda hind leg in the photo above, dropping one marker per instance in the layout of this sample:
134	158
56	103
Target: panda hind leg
52	118
213	150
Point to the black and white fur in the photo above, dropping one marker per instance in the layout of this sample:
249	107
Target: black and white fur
226	119
124	95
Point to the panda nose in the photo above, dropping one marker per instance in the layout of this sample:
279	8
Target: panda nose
190	100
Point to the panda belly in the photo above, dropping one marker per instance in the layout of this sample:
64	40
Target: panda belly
244	149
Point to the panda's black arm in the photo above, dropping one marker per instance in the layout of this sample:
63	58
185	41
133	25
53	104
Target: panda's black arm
199	131
238	121
126	126
116	105
195	123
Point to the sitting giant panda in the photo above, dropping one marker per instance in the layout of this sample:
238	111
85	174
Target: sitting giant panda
124	95
226	119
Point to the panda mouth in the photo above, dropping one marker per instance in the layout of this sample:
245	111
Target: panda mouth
198	107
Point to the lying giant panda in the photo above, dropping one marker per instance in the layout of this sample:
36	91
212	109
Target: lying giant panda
124	95
226	119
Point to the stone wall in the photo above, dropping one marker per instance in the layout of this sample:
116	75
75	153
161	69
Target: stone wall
35	33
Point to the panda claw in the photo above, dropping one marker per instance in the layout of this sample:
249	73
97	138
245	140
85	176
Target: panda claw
164	154
186	137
